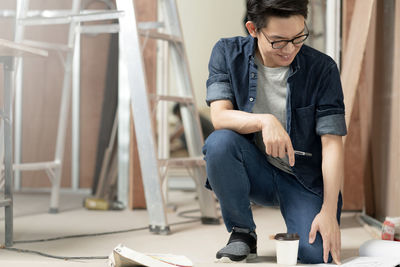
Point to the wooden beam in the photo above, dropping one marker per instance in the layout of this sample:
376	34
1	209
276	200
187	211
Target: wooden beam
382	106
393	189
357	185
365	97
355	50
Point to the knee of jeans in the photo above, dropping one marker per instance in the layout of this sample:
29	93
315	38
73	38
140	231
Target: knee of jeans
221	142
310	253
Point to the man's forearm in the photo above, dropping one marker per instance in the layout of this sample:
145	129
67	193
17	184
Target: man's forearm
332	170
239	121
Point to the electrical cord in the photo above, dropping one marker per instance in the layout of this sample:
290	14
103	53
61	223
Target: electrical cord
182	214
54	256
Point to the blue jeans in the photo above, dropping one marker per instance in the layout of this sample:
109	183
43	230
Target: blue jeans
239	173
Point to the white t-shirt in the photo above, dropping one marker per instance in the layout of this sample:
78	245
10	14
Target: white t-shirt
271	99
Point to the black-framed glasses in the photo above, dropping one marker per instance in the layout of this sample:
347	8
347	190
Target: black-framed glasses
282	43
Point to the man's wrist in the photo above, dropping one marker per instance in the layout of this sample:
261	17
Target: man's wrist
262	120
329	208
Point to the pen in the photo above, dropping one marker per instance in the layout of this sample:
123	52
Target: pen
301	153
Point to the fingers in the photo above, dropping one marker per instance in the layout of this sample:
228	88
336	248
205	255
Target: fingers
327	248
333	244
282	150
272	148
313	233
335	256
279	148
275	150
336	250
268	149
290	152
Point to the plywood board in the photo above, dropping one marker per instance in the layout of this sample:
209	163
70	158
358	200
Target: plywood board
382	103
393	196
354	74
354	53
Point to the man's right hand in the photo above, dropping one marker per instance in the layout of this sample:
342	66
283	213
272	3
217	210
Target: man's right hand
276	139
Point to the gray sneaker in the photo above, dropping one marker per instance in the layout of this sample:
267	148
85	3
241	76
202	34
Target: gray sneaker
242	245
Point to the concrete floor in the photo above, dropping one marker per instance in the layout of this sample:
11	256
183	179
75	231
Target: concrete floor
196	241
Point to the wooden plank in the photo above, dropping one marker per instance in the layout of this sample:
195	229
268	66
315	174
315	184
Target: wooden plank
347	14
355	49
366	99
108	110
358	173
382	101
137	198
393	196
357	12
352	184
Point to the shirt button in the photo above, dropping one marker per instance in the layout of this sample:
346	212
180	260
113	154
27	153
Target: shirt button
251	99
253	75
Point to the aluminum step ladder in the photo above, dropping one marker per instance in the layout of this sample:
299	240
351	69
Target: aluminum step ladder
154	165
70	53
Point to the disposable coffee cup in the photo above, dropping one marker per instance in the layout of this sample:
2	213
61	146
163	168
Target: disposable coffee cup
287	246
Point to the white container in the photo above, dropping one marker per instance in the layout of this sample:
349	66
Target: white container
380	248
287	247
394	231
396	222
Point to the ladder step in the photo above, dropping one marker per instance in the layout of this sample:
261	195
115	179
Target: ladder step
108	15
47	46
5	202
182	162
97	29
178	99
151	25
161	36
23	48
45	13
35	166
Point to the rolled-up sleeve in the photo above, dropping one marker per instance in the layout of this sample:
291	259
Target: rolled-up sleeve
330	116
218	82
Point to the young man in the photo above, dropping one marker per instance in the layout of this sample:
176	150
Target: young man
272	98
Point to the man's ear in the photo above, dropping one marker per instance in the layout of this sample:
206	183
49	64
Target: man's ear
251	28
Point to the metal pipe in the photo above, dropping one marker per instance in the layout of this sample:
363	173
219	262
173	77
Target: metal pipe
333	32
76	111
8	172
21	10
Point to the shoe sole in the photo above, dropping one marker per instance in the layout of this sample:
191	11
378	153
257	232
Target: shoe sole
251	256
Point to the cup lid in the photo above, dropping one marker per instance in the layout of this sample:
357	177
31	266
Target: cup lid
287	236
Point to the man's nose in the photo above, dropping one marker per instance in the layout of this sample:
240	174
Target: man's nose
289	48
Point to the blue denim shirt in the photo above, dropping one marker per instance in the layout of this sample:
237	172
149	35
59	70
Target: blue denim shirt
314	98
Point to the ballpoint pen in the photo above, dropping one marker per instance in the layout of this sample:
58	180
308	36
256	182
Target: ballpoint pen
301	153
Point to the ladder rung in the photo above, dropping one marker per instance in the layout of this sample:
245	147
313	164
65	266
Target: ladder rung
73	18
5	202
97	29
49	46
178	99
10	13
151	25
34	166
182	162
161	36
22	48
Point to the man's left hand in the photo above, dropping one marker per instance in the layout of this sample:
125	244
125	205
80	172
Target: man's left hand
326	224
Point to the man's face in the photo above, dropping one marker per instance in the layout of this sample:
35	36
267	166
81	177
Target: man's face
278	29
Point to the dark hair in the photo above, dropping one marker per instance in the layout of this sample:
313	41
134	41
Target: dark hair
258	11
